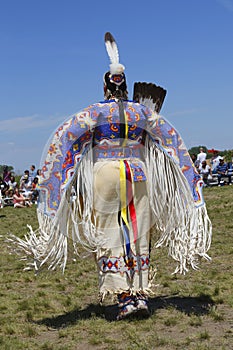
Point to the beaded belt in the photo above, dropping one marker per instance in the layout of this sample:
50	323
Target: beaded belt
117	152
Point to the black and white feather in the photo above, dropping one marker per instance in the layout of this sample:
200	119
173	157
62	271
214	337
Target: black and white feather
150	95
113	53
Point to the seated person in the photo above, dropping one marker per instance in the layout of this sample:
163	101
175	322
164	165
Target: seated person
25	174
3	187
195	161
38	175
215	162
19	200
230	168
35	190
222	171
205	172
12	184
9	199
26	187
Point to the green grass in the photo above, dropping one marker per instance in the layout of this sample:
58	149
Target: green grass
55	311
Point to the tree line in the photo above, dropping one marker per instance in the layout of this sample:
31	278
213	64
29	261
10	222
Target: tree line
227	154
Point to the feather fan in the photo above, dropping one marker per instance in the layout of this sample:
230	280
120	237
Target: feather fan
149	95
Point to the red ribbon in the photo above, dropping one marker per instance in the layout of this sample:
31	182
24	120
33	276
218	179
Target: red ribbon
131	206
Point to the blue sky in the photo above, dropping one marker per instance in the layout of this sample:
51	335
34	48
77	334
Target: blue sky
52	61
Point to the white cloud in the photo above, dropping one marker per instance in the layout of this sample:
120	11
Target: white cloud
20	124
228	4
185	112
23	139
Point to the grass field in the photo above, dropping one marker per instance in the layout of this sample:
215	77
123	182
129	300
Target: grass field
56	311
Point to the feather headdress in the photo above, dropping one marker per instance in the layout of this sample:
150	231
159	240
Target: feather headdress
112	50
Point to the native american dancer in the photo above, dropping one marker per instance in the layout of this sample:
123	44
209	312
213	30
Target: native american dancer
114	175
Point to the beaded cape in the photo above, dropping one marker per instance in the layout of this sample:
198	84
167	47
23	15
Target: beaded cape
175	187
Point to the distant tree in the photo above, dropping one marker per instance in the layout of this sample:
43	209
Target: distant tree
196	149
2	167
228	155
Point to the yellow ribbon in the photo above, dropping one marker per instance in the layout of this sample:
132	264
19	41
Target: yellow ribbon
126	130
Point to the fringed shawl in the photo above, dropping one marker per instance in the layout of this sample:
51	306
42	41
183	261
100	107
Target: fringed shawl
65	210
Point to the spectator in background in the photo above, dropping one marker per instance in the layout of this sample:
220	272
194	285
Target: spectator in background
38	175
32	173
6	174
201	156
205	172
25	175
35	190
215	161
12	184
19	200
230	169
195	161
230	164
3	187
26	186
222	171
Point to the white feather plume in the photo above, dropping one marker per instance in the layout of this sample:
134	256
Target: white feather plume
112	50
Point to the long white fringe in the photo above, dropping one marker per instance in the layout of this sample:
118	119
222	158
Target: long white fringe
48	245
185	229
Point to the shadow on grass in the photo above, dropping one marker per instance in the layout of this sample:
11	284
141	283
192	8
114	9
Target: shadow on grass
188	305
